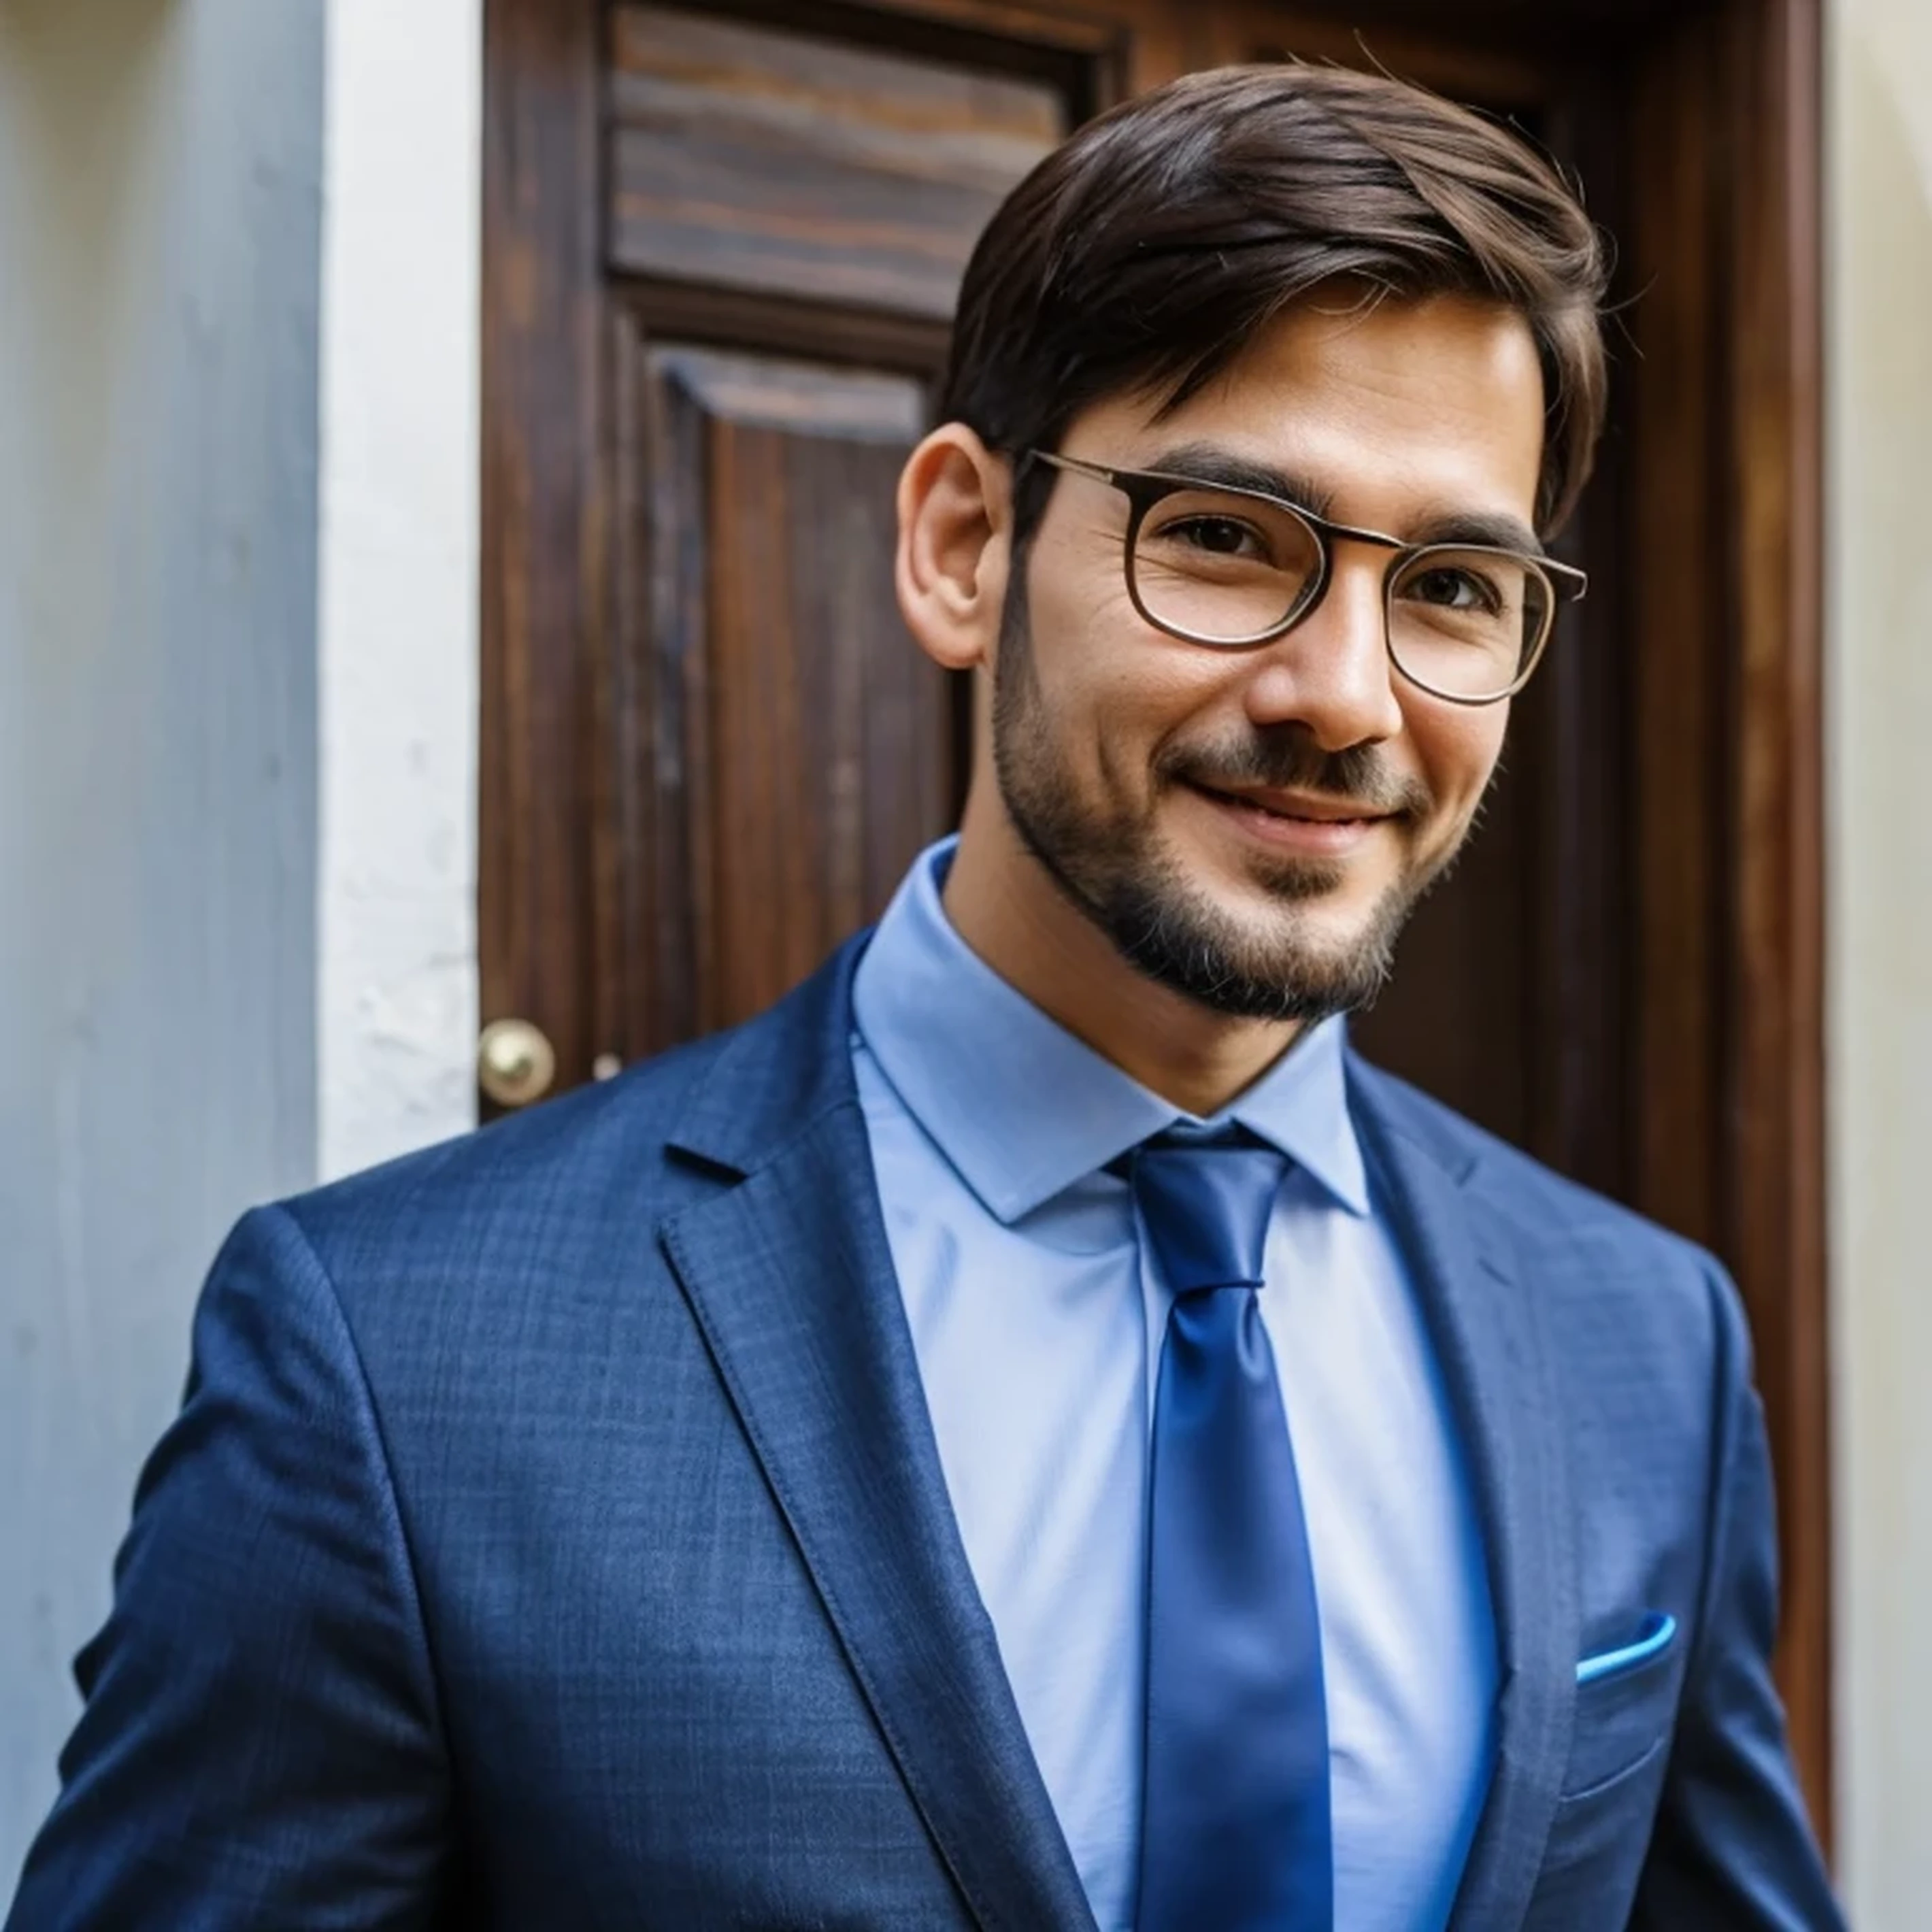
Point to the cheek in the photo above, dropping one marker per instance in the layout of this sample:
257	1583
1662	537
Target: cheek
1113	687
1458	749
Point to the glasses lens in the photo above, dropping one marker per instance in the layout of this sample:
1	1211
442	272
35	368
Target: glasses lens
1467	623
1221	567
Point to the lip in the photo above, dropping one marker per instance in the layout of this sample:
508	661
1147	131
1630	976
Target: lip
1296	822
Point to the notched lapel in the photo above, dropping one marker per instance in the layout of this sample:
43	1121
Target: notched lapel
789	1274
1488	1325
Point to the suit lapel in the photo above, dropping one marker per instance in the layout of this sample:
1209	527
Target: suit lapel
1487	1325
788	1273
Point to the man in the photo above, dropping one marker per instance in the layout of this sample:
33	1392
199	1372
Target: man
1031	1432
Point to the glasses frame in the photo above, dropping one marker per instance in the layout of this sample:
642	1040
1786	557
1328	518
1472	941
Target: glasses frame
1145	488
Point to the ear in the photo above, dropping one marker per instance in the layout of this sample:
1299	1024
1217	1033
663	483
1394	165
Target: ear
955	530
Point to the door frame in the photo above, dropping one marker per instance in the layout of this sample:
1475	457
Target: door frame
1701	126
1728	1072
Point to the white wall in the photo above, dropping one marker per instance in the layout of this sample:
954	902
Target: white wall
229	962
1878	103
160	170
398	675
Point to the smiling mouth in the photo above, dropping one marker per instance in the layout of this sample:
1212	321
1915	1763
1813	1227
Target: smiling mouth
1342	814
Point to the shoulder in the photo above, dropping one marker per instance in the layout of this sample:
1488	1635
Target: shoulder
1640	1333
561	1161
609	1160
1608	1273
1537	1196
486	1283
543	1230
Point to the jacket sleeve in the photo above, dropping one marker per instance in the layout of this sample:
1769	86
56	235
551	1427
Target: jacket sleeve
259	1744
1732	1847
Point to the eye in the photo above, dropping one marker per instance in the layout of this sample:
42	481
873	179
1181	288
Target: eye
1455	586
1215	536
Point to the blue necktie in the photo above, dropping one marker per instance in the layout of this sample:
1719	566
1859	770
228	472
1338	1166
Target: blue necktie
1234	1834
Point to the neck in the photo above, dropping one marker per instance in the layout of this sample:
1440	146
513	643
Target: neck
1004	904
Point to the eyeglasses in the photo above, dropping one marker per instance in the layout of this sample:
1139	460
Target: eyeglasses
1235	569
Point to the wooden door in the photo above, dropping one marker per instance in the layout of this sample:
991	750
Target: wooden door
722	243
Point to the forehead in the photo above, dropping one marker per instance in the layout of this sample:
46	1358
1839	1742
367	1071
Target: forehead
1393	408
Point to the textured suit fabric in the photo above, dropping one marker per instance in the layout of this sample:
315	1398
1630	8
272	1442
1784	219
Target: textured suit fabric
553	1535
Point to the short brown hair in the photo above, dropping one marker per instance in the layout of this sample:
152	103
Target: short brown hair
1146	250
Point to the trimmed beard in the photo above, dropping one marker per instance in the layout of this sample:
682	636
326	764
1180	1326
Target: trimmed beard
1115	873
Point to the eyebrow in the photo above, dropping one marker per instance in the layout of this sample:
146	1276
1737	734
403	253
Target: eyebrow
1209	463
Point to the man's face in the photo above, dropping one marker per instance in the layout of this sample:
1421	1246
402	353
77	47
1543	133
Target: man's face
1253	827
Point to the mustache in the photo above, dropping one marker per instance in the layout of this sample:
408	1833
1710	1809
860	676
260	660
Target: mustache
1291	761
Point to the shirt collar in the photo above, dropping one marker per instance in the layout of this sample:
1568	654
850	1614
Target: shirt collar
1019	1107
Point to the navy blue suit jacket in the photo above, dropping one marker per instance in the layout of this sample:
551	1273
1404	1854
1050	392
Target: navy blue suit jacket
553	1535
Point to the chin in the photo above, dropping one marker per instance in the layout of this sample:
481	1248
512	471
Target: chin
1327	917
1316	955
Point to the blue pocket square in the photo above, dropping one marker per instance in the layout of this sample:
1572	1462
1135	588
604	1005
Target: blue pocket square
1659	1628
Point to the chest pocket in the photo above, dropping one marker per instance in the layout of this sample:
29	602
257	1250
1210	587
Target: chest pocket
1618	1750
1623	1721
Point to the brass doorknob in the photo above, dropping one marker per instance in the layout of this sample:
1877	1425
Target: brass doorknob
515	1064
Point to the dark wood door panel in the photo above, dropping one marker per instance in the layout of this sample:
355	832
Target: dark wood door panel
1088	56
750	157
786	215
784	748
1420	45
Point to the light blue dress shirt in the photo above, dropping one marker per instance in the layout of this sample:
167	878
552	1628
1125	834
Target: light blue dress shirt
1037	1322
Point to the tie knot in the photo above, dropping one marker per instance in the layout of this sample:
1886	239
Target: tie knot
1205	1205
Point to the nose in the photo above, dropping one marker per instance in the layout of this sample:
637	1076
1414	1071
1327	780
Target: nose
1331	674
